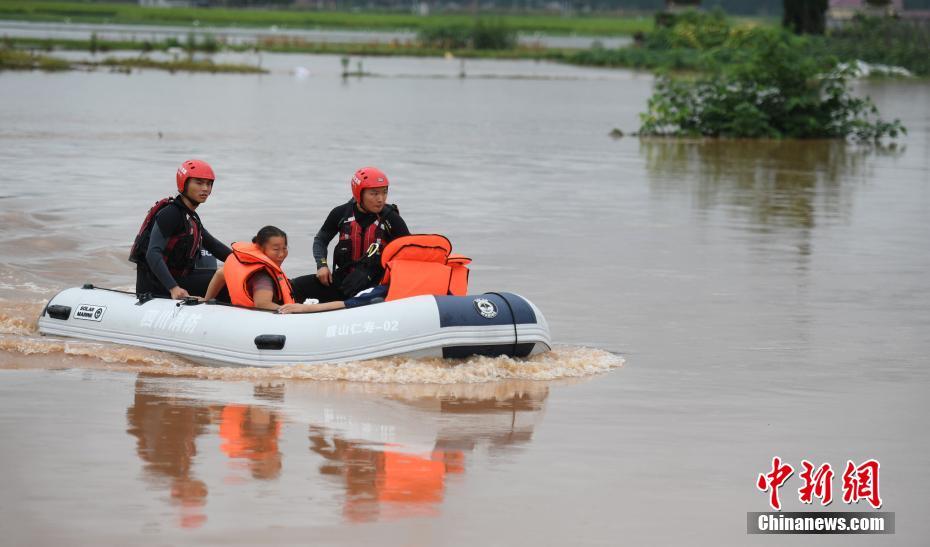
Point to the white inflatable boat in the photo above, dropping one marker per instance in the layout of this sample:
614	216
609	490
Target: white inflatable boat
490	324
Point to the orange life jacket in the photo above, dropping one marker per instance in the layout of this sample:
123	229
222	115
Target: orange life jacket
245	261
423	264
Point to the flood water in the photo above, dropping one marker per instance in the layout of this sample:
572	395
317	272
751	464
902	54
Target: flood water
714	304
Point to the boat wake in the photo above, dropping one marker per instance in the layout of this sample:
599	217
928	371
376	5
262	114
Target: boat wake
21	346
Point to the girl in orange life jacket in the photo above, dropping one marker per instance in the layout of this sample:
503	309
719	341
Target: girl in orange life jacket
253	276
252	273
365	220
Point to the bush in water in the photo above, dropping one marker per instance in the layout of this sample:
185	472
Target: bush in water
774	91
11	59
482	35
492	35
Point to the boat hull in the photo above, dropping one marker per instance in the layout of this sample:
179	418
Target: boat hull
424	326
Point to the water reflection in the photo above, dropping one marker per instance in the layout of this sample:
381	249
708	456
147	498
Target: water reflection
167	427
381	482
775	184
250	436
391	450
386	481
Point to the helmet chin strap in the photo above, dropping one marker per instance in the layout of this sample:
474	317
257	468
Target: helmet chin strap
191	204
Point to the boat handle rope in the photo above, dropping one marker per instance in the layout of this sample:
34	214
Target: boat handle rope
87	286
513	319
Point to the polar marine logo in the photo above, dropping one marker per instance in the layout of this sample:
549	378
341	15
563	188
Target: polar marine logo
486	308
89	312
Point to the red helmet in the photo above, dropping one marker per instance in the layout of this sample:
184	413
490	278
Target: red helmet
367	177
197	169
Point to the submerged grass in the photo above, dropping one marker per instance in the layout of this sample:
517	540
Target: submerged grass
12	59
182	65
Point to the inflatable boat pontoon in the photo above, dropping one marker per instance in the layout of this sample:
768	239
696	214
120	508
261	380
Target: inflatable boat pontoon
490	324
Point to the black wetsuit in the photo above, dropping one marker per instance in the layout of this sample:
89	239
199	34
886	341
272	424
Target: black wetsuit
308	286
153	275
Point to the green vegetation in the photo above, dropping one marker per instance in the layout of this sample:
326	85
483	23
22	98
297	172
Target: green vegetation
701	41
690	41
773	90
40	10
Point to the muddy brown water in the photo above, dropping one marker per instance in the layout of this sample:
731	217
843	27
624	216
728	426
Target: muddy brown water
768	299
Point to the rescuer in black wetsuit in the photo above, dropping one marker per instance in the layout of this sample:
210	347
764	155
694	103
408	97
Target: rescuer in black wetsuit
172	239
365	225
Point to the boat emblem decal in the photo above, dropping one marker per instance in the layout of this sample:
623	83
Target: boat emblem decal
486	308
90	312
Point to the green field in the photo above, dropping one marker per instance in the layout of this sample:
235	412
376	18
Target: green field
77	12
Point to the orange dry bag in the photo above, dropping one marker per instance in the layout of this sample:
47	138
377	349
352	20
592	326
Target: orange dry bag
421	264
